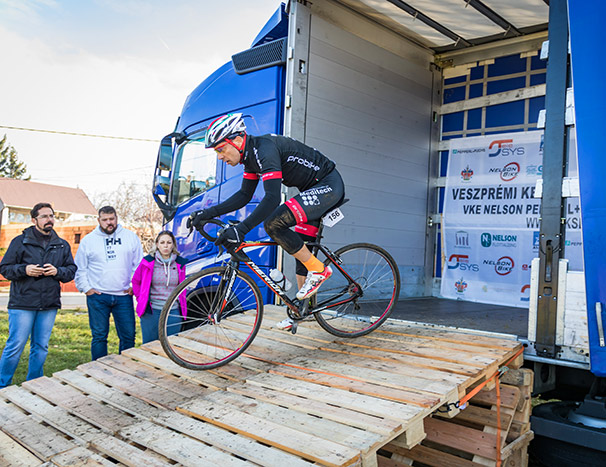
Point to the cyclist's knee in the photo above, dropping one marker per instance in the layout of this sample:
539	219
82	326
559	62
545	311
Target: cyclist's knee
279	220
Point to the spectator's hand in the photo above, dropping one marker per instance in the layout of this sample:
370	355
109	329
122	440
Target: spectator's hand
34	270
197	217
93	292
129	291
49	270
230	238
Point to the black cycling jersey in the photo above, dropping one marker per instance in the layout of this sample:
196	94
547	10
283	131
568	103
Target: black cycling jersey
294	163
276	160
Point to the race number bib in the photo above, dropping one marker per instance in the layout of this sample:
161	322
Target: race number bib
333	217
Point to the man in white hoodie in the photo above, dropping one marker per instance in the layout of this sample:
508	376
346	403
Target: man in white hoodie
106	260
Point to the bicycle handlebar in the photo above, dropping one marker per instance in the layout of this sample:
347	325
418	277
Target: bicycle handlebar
206	235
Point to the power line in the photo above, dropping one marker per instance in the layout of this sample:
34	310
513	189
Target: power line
79	134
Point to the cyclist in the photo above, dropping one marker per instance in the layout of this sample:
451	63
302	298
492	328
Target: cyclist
276	160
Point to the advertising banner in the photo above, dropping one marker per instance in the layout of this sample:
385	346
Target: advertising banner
491	218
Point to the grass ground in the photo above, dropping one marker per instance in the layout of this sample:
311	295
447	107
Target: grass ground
69	345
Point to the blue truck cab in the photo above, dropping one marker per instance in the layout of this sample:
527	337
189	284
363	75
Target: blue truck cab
189	177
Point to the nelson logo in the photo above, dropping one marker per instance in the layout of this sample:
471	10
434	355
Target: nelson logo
461	262
507	173
460	285
504	147
503	266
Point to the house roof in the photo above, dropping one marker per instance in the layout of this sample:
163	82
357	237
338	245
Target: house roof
25	194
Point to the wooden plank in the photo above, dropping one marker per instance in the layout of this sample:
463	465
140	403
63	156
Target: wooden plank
12	453
431	457
80	456
42	441
360	387
510	396
151	357
177	447
126	453
359	402
414	434
54	416
283	437
241	446
481	416
305	423
431	387
520	377
111	396
73	401
385	427
460	437
136	387
153	376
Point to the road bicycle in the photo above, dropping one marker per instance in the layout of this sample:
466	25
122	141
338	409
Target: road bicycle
225	306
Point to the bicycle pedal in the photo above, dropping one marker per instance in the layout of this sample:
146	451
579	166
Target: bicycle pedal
295	325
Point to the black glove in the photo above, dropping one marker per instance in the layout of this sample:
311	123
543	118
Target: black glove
230	238
197	217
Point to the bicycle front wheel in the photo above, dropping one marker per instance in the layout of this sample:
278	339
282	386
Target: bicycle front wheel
361	292
223	312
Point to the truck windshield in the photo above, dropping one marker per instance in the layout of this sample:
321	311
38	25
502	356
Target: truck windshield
195	171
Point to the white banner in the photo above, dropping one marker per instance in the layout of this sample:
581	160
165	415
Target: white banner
490	224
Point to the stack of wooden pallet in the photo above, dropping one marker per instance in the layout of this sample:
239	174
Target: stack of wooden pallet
469	438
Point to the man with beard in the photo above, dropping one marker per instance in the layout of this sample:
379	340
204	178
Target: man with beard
106	260
35	262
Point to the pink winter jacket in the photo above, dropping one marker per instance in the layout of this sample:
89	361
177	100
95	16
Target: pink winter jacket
142	283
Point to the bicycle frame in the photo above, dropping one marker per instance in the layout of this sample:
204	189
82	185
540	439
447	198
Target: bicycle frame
295	306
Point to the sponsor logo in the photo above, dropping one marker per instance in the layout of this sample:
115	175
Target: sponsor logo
460	285
507	173
462	262
468	151
502	240
523	291
505	147
466	174
503	266
536	240
534	170
542	143
461	239
525	267
303	162
571	243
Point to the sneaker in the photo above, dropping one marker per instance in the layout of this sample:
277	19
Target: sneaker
285	324
313	281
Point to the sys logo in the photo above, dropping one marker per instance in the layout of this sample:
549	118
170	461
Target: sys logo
462	262
504	147
523	291
460	285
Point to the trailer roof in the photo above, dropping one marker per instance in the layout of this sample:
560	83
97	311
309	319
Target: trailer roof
446	25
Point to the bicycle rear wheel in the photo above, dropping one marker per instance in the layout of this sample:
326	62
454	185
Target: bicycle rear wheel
375	291
220	321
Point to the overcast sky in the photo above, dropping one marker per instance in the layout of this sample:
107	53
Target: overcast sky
109	67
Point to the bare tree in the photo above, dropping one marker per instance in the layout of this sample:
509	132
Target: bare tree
136	210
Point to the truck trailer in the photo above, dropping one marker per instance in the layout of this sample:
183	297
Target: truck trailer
392	91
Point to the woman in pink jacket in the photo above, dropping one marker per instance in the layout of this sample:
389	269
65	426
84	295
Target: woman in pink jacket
156	277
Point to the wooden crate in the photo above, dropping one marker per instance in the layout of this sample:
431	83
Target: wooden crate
470	438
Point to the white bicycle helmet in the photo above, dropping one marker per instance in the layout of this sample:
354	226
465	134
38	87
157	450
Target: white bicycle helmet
225	127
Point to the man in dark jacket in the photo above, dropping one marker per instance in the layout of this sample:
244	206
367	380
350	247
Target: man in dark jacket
35	262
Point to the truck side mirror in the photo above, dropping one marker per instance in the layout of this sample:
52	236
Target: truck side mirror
165	153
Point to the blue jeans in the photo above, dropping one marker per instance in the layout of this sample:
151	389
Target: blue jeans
22	324
149	323
100	306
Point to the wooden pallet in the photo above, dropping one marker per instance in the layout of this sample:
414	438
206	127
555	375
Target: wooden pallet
470	438
304	399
